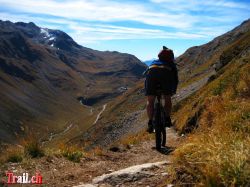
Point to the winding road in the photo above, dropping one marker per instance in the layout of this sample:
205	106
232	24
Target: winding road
99	115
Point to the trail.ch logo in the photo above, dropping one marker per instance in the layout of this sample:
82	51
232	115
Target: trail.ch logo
23	179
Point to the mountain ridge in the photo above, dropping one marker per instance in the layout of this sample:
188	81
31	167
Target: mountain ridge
43	72
199	61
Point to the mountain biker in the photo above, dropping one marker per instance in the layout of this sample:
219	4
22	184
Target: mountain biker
161	73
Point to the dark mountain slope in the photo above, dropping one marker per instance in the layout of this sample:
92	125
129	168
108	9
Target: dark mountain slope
44	72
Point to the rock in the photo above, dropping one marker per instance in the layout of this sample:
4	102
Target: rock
164	174
130	174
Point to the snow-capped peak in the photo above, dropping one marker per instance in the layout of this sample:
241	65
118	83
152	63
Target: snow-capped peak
48	37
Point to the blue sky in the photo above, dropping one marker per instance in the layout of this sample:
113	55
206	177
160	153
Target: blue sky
137	27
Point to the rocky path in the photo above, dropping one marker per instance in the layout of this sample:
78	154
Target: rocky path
141	165
136	165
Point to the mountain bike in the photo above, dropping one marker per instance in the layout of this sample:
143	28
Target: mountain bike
159	121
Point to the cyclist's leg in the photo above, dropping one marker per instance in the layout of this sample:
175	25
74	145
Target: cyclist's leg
150	88
150	107
168	104
150	112
168	107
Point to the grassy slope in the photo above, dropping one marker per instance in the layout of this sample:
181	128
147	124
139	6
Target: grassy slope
217	151
199	61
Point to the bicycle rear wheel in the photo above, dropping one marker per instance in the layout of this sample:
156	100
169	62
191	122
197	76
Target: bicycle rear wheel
162	124
158	129
163	132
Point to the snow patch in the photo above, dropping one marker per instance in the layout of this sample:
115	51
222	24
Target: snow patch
52	38
45	31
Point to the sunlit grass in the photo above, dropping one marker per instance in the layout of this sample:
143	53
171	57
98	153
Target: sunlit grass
136	138
72	153
217	151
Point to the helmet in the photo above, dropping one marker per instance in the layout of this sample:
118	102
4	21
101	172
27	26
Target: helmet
166	55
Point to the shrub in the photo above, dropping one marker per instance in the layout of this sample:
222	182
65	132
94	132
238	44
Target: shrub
71	153
33	149
15	158
14	155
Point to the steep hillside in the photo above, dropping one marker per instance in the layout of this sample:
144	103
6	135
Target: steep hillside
200	61
45	77
216	153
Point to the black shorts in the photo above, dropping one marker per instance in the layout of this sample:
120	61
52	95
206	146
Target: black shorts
159	77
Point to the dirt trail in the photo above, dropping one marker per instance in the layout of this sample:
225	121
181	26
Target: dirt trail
141	165
138	165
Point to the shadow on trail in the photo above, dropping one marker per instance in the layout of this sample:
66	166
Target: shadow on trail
165	150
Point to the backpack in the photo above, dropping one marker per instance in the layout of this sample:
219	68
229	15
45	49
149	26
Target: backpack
166	55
